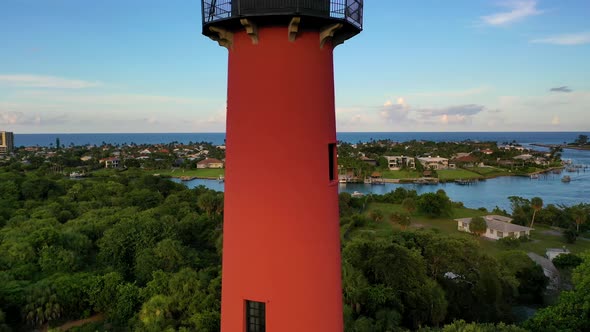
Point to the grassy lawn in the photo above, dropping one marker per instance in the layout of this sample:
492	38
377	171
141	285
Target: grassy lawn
489	171
542	241
106	172
447	225
527	170
539	244
402	174
456	174
201	172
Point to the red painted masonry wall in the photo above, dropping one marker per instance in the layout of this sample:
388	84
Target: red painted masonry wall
281	240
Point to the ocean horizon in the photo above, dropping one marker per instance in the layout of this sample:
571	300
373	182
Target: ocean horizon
66	139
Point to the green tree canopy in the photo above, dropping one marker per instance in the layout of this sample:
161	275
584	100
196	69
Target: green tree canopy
478	226
409	204
571	312
435	204
403	219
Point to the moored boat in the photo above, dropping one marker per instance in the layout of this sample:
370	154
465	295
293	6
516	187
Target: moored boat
357	194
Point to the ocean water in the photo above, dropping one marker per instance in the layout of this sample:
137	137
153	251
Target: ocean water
219	138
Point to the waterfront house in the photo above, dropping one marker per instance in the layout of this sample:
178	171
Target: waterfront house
498	227
435	163
466	161
369	161
395	163
347	176
111	162
542	161
210	163
487	151
512	147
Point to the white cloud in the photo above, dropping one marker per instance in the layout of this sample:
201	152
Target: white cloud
402	116
517	11
16	118
38	110
567	39
13	118
458	110
215	120
108	99
452	94
38	81
397	112
152	120
452	115
544	112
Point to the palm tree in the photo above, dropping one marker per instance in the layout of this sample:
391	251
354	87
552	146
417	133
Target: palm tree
537	205
580	215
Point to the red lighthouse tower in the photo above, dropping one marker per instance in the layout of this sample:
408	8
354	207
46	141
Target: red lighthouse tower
281	245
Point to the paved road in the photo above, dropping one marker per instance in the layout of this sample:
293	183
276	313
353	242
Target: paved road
549	269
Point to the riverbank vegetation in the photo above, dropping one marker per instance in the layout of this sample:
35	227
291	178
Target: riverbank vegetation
209	173
582	142
144	254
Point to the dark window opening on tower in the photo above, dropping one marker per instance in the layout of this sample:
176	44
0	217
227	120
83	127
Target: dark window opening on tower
255	316
332	161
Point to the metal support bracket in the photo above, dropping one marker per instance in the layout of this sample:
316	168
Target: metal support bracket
251	29
294	28
328	32
224	38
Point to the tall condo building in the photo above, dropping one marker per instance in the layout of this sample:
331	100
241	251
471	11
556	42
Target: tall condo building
6	142
281	239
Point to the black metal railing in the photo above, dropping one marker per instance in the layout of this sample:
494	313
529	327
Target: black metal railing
214	10
350	11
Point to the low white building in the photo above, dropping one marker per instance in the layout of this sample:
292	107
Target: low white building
395	163
554	252
434	163
512	147
524	157
498	227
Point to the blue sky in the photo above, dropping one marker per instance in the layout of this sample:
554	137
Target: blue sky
143	66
